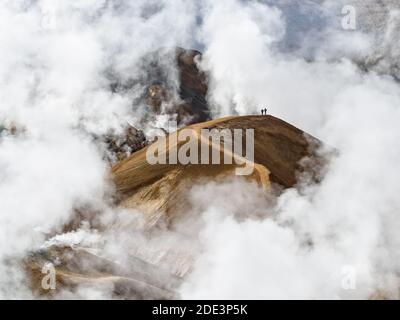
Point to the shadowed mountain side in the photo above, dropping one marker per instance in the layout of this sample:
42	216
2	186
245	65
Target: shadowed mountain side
161	189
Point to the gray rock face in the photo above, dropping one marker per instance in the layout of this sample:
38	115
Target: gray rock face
171	84
381	19
186	98
121	146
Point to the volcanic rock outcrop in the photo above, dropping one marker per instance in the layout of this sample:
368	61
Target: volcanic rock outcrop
119	147
173	85
191	105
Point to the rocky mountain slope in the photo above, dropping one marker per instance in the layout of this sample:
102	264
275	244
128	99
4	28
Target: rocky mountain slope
160	193
160	189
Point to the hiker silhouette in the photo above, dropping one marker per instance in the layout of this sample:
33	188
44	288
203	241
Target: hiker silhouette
262	111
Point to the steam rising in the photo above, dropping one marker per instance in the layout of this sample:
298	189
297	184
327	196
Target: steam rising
56	62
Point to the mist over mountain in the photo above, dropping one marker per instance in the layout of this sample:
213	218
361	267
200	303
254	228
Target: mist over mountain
88	86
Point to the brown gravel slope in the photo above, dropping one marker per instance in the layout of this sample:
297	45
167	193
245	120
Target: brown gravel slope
160	189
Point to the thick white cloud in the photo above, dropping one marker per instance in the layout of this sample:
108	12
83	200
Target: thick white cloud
293	58
54	89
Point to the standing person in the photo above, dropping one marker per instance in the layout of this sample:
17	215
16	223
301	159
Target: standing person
262	111
265	111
